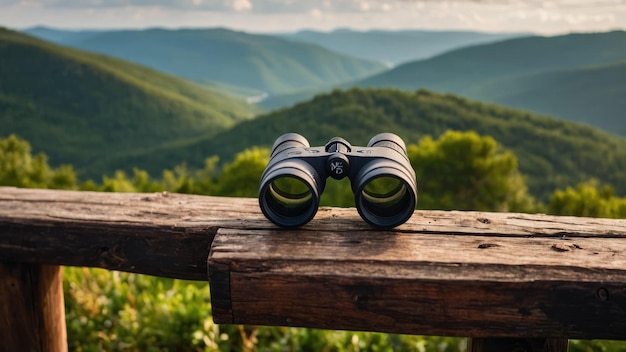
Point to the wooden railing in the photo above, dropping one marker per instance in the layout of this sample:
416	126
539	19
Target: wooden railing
508	281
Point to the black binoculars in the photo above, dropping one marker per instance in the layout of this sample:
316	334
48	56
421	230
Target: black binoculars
383	181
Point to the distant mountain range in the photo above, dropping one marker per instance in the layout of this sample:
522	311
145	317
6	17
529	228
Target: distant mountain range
460	70
395	47
552	153
580	73
82	108
595	95
249	63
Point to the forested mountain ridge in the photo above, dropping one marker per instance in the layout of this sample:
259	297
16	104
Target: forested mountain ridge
552	153
252	61
81	107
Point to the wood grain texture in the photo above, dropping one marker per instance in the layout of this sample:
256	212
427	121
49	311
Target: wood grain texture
459	284
441	273
32	314
158	234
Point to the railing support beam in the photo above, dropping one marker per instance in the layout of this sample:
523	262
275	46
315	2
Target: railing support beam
32	312
516	345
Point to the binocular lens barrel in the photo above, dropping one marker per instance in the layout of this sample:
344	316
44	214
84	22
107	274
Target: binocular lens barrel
384	198
289	198
289	193
385	195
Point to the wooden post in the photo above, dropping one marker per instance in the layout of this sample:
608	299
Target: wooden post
32	312
516	345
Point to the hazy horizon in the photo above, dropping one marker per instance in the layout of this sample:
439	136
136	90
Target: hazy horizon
271	16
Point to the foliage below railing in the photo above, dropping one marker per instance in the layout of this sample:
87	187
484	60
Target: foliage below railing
110	310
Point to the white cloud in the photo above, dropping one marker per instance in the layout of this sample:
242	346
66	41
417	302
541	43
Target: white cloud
241	5
316	13
305	6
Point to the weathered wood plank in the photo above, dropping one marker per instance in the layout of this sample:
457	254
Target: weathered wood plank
54	207
158	234
32	314
170	234
430	284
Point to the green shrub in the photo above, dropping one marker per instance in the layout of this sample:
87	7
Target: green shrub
110	310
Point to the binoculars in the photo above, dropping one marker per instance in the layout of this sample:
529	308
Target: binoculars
382	179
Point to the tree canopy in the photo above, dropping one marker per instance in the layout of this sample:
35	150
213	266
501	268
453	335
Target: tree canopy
19	168
588	199
462	170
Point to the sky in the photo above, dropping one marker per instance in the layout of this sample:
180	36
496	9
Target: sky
542	17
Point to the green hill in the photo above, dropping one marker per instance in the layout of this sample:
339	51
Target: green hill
552	153
83	108
261	62
593	94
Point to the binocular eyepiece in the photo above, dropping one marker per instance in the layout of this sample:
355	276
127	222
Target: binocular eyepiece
383	181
